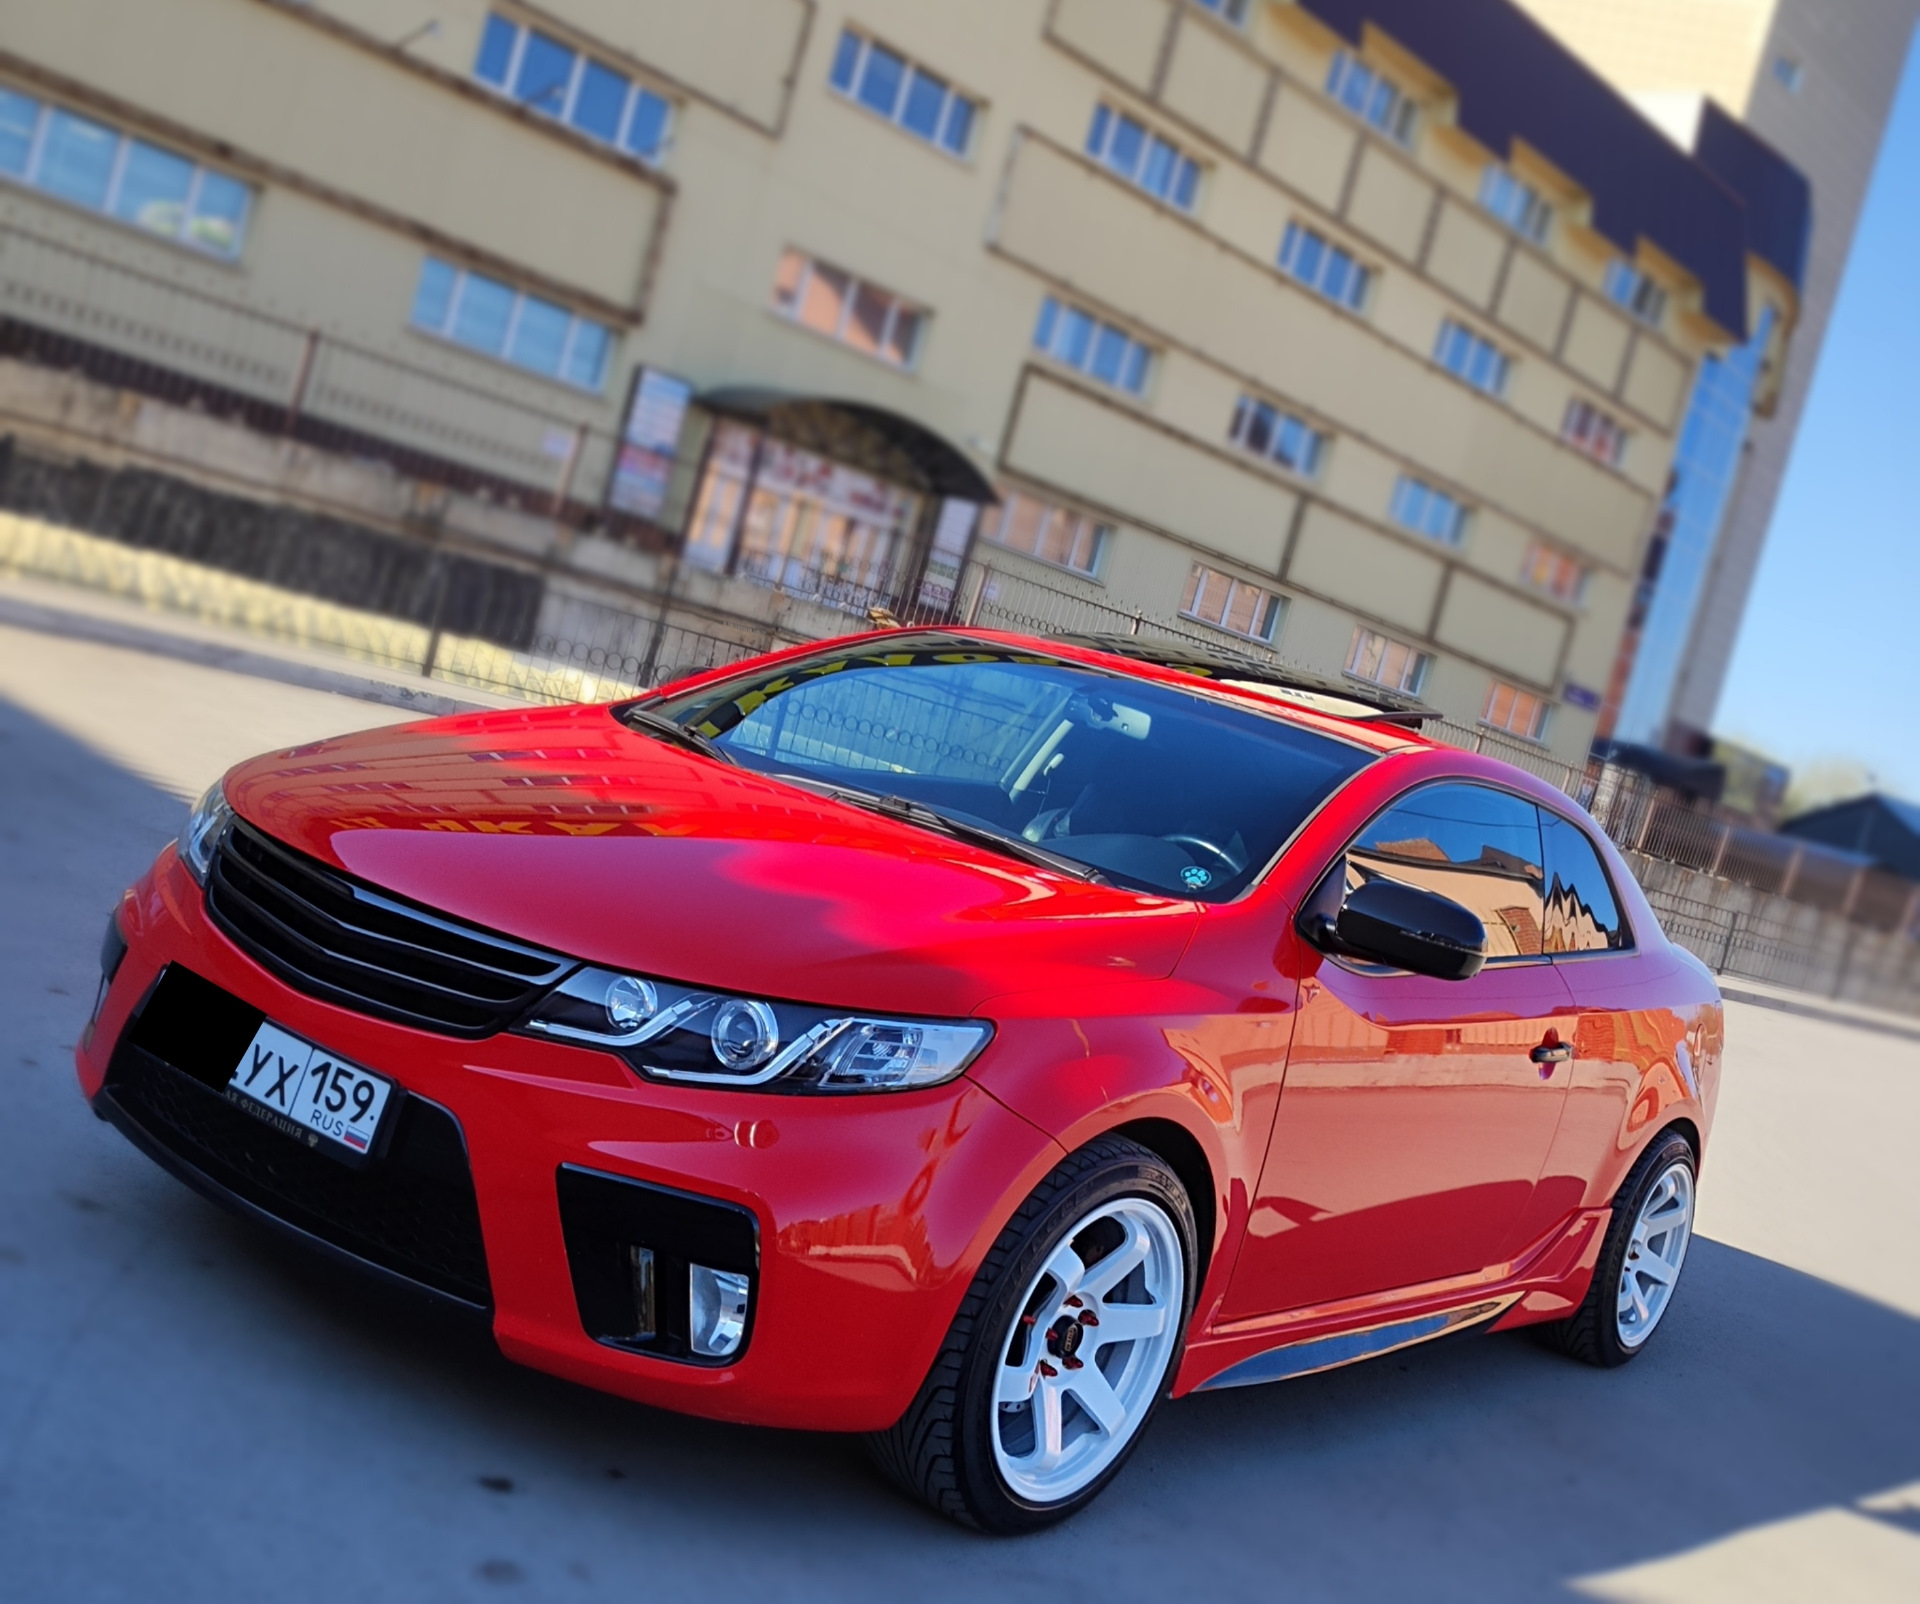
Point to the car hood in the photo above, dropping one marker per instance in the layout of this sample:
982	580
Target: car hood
567	829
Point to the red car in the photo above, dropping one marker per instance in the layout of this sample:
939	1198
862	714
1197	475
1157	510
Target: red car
953	1037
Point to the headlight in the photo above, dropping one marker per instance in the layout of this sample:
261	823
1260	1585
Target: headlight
675	1033
205	823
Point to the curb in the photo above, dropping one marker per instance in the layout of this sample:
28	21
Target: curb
1814	1010
236	659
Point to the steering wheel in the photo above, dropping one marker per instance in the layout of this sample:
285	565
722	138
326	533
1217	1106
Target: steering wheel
1200	844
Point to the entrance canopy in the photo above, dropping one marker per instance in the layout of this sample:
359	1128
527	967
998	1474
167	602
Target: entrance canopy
869	438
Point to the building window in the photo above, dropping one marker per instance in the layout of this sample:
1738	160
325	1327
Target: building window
903	93
1467	356
1520	206
1278	436
558	82
1082	341
1594	432
1235	11
1553	573
1381	661
1231	604
1143	158
1325	268
1636	291
835	303
494	318
1038	529
1426	511
91	165
1517	712
1372	97
1791	74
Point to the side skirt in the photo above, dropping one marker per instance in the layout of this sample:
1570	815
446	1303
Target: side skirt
1349	1347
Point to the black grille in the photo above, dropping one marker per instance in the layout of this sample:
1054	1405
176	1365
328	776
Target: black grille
410	1210
346	943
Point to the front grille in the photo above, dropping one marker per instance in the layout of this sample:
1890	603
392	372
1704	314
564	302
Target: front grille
411	1211
346	943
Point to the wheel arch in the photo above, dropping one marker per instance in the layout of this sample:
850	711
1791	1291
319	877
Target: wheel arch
1184	1155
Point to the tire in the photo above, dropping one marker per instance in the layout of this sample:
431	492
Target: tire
1658	1193
1033	1319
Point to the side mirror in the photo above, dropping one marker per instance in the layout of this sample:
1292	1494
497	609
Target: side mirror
1386	922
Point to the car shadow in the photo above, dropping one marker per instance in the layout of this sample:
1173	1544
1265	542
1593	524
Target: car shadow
181	1394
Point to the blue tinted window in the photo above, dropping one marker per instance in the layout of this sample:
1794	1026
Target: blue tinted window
18	115
1187	184
219	213
1133	375
546	69
434	296
1076	334
153	189
647	129
959	129
846	57
496	51
1123	152
1109	351
539	336
880	83
1049	317
587	357
600	102
481	314
77	161
926	98
1097	134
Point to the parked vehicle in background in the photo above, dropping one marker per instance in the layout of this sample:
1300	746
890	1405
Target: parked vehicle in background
959	1038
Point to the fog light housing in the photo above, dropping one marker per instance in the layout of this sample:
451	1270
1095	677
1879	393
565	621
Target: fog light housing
716	1310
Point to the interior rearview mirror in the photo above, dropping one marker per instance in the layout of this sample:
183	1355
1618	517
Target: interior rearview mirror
1404	927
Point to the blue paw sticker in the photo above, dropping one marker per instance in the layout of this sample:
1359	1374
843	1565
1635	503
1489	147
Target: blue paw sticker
1197	878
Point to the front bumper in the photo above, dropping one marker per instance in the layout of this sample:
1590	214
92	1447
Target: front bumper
873	1212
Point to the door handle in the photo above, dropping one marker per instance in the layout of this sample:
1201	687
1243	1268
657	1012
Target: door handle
1551	1053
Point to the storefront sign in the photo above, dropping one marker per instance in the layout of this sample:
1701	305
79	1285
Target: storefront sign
649	443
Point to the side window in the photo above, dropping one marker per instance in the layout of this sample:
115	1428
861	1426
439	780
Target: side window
1479	847
1583	915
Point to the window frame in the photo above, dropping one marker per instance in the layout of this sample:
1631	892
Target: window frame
1422	662
1298	240
1186	173
1630	944
1453	332
911	65
1274	602
124	141
637	88
1337	863
1627	285
443	334
1240	429
1404	487
1233	13
1560	556
1595	432
1402	113
1547	707
896	304
1050	329
1097	530
1519	205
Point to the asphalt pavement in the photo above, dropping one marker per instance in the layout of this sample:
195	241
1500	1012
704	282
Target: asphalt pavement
190	1410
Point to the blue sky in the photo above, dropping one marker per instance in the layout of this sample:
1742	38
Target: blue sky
1825	666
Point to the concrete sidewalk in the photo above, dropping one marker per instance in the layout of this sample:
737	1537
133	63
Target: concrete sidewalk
1809	1005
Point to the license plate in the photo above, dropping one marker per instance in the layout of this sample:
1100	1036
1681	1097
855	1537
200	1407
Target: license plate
306	1092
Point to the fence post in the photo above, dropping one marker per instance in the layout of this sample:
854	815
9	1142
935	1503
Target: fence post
302	375
1726	947
563	486
1910	920
1793	872
1854	887
1846	958
1720	851
1646	821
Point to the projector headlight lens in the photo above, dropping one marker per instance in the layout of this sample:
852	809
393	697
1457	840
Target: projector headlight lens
675	1033
205	825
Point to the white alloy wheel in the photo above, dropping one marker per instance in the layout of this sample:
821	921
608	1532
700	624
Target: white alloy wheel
1655	1252
1088	1353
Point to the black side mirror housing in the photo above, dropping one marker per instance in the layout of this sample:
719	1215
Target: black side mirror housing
1404	927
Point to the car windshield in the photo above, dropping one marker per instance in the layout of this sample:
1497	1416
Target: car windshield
1149	785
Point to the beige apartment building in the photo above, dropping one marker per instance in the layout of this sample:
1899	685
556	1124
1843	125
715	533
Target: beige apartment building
1358	334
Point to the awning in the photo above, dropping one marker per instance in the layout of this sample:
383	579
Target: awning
866	437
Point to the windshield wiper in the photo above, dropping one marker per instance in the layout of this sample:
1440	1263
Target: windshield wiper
663	728
911	812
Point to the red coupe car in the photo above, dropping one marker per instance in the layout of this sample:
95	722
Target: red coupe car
959	1038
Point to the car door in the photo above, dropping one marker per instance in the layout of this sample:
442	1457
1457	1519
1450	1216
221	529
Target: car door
1630	1056
1414	1120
